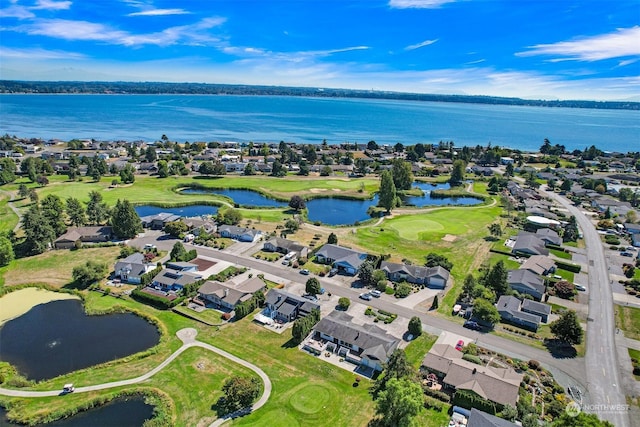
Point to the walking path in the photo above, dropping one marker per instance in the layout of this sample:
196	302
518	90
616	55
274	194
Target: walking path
188	338
13	208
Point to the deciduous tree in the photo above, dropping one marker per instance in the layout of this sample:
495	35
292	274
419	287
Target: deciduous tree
567	328
239	393
312	286
297	203
485	311
399	403
97	210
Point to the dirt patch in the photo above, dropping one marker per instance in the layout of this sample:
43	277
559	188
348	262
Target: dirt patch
203	264
17	303
336	190
450	238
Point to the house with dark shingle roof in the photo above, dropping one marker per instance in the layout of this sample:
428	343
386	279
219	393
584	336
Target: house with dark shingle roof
498	385
239	233
529	244
284	246
510	309
433	277
365	345
482	419
286	306
549	236
91	234
158	221
131	268
526	282
229	294
344	259
539	264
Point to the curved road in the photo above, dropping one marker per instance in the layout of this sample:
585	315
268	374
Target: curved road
602	372
187	336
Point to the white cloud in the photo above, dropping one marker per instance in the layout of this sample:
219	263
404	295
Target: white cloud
418	4
91	31
160	12
51	5
16	11
621	43
419	45
38	54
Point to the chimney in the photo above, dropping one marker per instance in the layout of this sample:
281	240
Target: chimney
475	370
226	292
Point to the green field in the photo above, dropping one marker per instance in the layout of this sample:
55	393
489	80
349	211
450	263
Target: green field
8	219
628	319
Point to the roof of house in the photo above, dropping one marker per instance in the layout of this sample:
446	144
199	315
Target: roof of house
162	216
232	229
530	243
549	234
373	340
414	270
511	305
342	255
134	263
278	297
287	244
538	264
229	292
536	307
482	419
632	227
496	384
526	278
76	233
180	265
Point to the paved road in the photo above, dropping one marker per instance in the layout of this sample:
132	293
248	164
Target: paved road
567	371
602	368
188	337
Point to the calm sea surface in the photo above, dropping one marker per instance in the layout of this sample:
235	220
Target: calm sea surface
310	120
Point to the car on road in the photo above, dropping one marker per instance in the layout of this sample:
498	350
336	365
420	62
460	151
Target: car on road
460	345
149	247
470	324
580	287
625	253
365	296
304	271
375	293
333	272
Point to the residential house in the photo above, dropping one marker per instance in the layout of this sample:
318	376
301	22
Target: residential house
549	236
433	277
529	244
367	346
239	233
198	224
95	234
482	419
510	309
175	276
132	268
158	221
526	282
229	294
537	308
499	385
539	264
632	228
284	246
345	260
287	307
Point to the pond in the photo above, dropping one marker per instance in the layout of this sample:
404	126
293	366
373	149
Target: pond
122	412
58	337
240	197
187	211
427	200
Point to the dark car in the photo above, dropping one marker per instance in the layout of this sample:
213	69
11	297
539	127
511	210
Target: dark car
470	324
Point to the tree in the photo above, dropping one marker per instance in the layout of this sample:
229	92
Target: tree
163	169
495	230
52	208
89	273
508	171
396	367
229	216
509	413
415	326
326	171
399	403
402	176
297	203
387	194
469	284
344	303
178	252
239	393
7	171
571	232
402	290
567	328
23	191
581	420
150	154
6	250
125	221
249	169
291	225
277	169
457	173
33	195
97	210
365	273
379	280
435	260
127	174
485	311
176	228
38	232
42	180
496	278
312	286
566	185
564	289
76	212
332	239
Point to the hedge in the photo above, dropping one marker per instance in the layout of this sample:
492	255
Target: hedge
468	400
154	300
568	266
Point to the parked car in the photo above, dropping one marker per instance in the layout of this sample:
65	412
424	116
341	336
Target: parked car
333	272
580	287
375	293
304	271
310	297
470	324
68	388
625	253
460	345
365	296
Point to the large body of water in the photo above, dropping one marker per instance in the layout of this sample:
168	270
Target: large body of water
58	337
311	120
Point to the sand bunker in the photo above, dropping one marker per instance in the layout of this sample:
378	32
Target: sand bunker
449	238
17	303
317	190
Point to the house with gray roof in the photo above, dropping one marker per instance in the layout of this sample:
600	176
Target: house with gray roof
344	259
287	307
432	277
229	294
239	233
367	346
284	246
158	221
175	276
538	308
529	244
539	264
90	234
549	236
499	385
526	282
482	419
131	268
510	309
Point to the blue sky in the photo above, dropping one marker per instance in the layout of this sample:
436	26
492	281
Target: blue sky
550	49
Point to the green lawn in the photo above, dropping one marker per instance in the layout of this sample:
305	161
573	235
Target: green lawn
510	264
635	359
628	319
560	254
417	348
208	316
8	219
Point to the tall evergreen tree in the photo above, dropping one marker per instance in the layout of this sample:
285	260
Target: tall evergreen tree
52	207
97	210
38	232
76	212
125	220
402	176
457	173
387	195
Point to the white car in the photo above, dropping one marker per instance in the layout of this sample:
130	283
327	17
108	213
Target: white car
375	293
365	296
580	287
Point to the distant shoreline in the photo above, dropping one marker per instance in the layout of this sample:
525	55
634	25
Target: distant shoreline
162	88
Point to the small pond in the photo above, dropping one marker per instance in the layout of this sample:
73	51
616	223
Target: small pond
240	197
187	211
129	412
58	337
427	200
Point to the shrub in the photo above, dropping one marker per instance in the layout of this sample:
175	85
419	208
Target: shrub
473	359
344	303
402	290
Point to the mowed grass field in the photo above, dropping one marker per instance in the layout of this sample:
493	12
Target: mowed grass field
628	319
8	219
